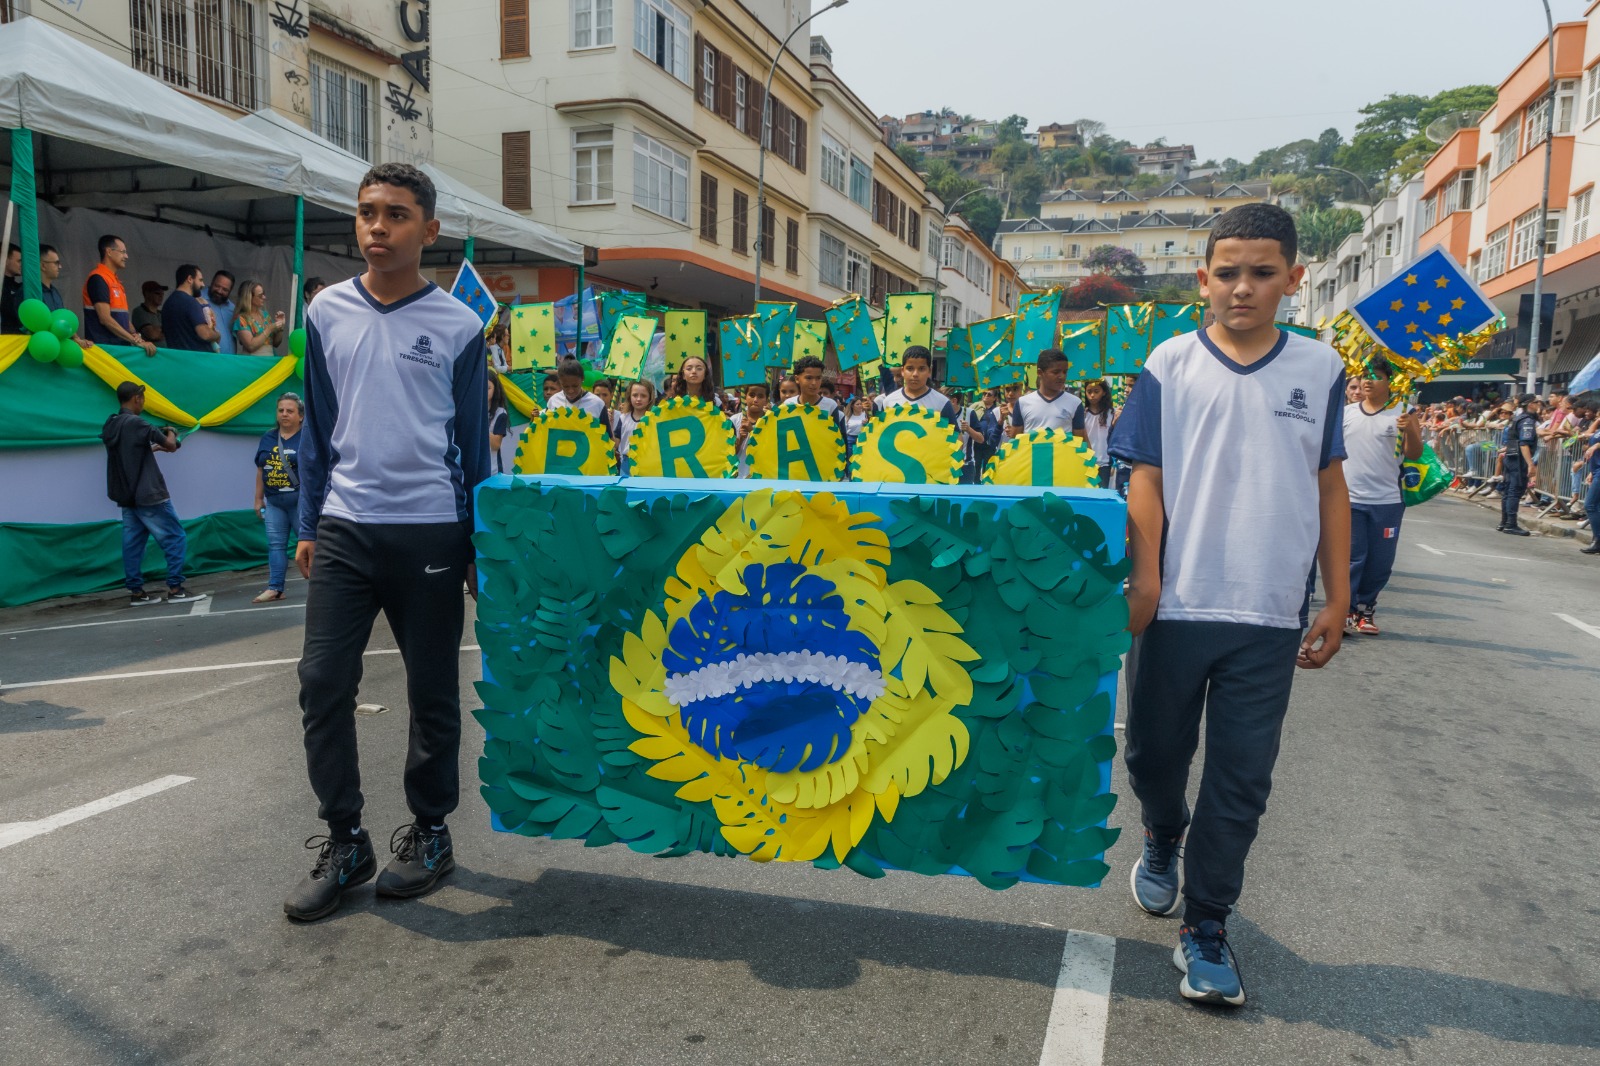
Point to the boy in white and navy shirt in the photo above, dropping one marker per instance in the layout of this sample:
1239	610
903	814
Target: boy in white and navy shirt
916	366
1235	436
572	394
1050	406
396	437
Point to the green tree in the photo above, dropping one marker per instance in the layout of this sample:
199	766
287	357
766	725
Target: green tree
982	213
913	157
1322	231
1113	260
1028	183
1011	156
1011	128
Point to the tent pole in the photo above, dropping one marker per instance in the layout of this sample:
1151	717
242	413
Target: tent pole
299	259
470	246
24	195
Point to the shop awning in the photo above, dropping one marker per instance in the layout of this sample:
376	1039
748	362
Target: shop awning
54	84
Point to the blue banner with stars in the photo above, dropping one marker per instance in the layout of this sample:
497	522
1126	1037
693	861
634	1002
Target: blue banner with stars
470	289
1431	297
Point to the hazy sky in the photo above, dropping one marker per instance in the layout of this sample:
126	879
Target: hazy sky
1229	78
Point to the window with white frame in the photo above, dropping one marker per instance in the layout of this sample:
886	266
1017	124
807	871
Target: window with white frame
860	184
708	77
342	102
1591	94
1580	215
834	166
1074	251
1047	252
1429	212
951	253
830	260
661	34
1566	104
935	231
857	271
1536	124
1138	248
591	166
1458	194
660	178
1505	145
1552	232
1524	233
211	47
591	23
949	313
1494	253
1016	252
969	266
1481	185
741	93
1390	239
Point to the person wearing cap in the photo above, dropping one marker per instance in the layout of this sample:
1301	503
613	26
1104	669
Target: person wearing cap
134	483
147	316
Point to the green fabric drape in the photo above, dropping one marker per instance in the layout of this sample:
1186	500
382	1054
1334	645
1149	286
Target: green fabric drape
69	560
23	195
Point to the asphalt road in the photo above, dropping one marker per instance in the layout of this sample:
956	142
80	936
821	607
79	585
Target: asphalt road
1423	889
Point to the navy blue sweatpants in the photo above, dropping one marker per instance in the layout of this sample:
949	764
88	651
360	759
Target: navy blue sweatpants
1374	538
1239	677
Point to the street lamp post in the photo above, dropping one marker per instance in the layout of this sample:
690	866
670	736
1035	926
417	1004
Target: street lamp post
1544	205
761	141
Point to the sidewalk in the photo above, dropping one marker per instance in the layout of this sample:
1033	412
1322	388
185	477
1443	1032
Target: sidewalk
1529	519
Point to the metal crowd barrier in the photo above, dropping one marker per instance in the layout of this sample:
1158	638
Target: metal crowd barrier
1472	457
1561	487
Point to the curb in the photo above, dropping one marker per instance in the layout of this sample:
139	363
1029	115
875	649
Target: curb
1549	527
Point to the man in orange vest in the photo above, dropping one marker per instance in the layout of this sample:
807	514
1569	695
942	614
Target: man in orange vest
105	303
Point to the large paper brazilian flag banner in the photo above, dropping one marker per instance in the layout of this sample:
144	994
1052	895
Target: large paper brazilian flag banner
1036	325
1127	338
992	341
908	320
958	372
1079	341
686	335
1173	320
873	677
740	343
851	330
775	325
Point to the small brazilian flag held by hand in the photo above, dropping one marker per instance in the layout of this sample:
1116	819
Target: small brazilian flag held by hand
851	330
630	343
1036	325
686	336
910	321
740	338
533	337
777	332
1432	297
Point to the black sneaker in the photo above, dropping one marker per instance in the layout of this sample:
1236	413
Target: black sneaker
141	598
1516	531
339	867
183	595
420	858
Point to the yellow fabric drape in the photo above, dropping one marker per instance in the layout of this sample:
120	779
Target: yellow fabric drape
246	398
517	398
107	369
10	349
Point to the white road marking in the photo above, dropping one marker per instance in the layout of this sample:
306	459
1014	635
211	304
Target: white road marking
148	618
207	694
1475	555
1593	631
184	670
1425	548
201	606
1076	1032
16	832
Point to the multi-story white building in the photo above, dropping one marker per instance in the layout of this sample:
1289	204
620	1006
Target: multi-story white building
1167	230
1365	259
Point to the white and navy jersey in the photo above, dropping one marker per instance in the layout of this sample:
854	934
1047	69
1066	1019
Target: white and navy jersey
1033	411
827	403
933	400
1239	448
1372	455
588	403
396	429
1097	429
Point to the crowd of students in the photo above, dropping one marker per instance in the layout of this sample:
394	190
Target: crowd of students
985	419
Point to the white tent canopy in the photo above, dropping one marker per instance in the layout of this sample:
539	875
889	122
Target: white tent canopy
54	84
331	176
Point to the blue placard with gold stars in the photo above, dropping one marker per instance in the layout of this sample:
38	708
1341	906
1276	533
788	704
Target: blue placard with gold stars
470	289
1432	296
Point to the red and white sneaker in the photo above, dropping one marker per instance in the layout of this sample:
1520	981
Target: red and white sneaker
1352	624
1366	626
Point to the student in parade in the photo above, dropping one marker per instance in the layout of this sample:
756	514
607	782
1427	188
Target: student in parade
640	397
755	405
916	367
1050	406
606	389
569	375
502	444
134	483
860	411
1220	541
1521	440
547	387
386	525
253	332
694	380
986	428
1376	435
309	290
278	490
1099	415
808	381
788	389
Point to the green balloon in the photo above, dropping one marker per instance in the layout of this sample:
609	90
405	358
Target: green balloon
297	343
71	355
300	367
44	346
35	315
63	323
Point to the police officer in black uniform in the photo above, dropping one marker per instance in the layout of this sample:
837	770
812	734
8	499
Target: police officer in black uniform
1521	440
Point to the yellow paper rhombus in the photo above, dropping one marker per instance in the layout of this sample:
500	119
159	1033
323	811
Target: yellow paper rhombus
630	343
532	337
